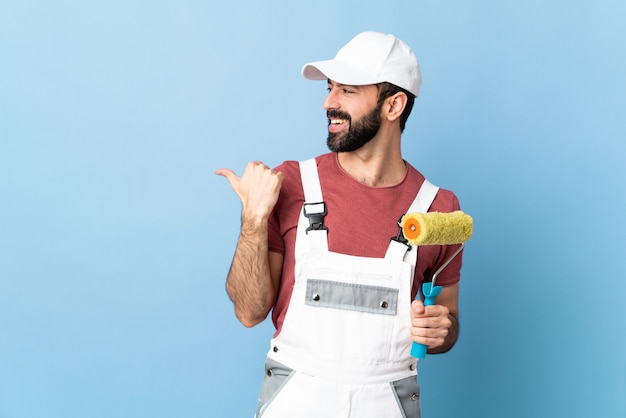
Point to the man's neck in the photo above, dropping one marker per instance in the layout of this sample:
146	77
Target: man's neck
372	167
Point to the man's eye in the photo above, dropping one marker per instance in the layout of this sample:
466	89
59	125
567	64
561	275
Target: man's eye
347	91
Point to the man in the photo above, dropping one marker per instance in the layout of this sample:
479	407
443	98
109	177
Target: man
315	249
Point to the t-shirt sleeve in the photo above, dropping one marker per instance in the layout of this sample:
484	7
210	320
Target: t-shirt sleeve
288	192
275	240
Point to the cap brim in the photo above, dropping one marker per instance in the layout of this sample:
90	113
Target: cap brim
338	71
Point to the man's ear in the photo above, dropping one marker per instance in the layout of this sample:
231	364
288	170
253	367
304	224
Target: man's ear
395	106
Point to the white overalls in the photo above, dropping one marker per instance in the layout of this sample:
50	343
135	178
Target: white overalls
344	347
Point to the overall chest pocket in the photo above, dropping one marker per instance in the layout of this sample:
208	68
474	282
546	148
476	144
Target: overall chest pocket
351	296
349	319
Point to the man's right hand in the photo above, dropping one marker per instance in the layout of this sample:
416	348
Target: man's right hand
254	275
258	188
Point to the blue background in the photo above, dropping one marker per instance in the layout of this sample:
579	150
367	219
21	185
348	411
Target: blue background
116	236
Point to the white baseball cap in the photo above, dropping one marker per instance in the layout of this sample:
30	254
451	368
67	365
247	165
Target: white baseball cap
370	58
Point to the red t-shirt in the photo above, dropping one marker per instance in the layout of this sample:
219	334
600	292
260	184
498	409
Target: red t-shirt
360	220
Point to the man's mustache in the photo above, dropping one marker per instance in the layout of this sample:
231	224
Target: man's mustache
337	114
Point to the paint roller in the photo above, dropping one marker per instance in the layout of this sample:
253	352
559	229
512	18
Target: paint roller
435	228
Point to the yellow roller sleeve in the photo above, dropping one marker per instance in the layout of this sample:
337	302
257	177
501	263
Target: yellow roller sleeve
436	228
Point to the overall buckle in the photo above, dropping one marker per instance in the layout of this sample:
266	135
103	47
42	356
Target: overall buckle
315	212
400	237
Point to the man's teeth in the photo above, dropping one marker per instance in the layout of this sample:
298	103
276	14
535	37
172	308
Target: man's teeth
336	122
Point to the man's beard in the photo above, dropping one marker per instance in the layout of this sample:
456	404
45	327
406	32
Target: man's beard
359	133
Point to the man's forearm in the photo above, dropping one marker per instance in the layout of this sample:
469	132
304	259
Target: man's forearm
249	284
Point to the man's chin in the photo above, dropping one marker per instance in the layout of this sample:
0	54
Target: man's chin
334	142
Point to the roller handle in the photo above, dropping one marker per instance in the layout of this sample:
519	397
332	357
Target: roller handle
430	294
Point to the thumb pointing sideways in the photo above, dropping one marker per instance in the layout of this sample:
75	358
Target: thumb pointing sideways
230	175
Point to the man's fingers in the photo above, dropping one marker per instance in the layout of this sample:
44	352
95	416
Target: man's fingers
230	175
417	306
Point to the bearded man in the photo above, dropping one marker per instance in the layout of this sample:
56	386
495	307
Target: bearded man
315	250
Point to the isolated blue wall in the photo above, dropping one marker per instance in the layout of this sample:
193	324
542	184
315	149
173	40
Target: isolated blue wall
116	237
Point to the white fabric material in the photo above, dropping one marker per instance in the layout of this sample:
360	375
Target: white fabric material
424	198
370	58
312	194
341	354
310	181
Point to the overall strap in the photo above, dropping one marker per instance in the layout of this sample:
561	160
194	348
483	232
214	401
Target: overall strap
310	181
422	202
314	208
424	198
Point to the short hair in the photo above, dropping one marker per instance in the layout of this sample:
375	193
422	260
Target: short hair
386	90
